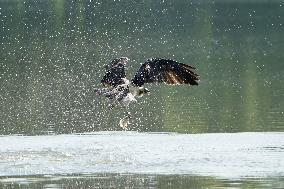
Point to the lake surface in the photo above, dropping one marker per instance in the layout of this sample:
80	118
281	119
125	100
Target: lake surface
52	56
126	159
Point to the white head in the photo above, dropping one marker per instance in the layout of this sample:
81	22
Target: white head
124	60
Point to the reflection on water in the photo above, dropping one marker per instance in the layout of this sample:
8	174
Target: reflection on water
135	181
52	55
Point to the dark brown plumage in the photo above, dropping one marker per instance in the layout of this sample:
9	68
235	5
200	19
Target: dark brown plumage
115	72
165	70
153	70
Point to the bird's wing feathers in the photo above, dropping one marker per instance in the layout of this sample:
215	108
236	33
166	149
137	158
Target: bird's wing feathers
165	70
114	73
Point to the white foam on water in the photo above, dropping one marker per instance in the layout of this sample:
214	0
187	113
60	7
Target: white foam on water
225	155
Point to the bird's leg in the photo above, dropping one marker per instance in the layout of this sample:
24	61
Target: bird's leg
128	114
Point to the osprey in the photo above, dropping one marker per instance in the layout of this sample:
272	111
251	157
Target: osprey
154	70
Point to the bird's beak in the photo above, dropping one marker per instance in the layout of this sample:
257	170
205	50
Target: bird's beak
146	91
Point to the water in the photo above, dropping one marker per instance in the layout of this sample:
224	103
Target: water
144	158
52	55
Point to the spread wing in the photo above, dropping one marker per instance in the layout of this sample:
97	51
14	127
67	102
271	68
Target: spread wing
114	73
165	70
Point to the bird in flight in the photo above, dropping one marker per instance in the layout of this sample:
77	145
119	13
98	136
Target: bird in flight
154	70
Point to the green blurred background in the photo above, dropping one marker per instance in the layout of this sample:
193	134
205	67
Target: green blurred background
52	55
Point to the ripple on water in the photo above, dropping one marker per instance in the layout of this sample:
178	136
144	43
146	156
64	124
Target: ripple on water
231	155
